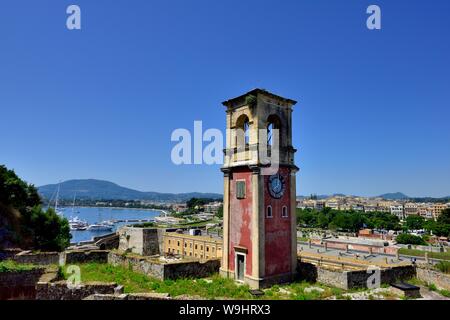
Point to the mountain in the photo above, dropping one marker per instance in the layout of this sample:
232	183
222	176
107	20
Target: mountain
394	196
104	190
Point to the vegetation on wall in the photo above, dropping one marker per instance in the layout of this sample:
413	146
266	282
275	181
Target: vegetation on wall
23	222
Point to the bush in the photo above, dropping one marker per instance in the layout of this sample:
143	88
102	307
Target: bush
406	238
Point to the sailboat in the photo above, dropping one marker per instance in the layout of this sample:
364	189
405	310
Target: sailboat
58	212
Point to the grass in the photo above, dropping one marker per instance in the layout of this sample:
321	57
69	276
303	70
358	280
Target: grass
430	286
12	266
445	293
210	288
135	282
443	266
420	253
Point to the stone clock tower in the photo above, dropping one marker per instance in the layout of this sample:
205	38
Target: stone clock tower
259	226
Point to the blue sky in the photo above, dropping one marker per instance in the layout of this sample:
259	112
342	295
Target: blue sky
102	102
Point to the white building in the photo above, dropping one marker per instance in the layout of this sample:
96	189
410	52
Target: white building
333	204
398	211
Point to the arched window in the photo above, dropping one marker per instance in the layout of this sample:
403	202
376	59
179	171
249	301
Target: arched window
284	212
242	131
269	212
273	123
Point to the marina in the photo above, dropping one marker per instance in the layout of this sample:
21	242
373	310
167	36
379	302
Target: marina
89	222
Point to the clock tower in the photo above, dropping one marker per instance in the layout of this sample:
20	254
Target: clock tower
259	220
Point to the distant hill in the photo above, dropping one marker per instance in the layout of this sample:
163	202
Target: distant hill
92	189
394	196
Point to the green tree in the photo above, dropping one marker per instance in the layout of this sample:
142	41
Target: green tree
219	213
323	219
406	238
307	217
440	227
33	227
415	222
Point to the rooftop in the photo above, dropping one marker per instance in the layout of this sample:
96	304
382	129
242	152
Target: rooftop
255	92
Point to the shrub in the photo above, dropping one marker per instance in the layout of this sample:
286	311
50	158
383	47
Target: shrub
406	238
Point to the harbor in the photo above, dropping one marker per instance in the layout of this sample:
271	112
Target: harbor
89	222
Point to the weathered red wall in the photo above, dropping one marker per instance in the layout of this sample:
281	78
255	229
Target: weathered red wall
277	230
240	219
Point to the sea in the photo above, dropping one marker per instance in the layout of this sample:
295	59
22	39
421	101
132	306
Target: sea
96	214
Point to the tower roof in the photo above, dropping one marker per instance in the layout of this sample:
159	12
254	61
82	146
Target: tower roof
255	92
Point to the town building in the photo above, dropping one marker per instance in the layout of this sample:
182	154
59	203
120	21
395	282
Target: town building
319	205
194	246
180	207
370	208
212	207
357	207
411	209
397	210
332	204
437	209
260	244
424	210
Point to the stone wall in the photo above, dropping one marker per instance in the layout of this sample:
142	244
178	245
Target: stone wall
131	296
152	267
143	241
80	256
60	291
191	269
39	258
358	279
108	242
138	264
430	276
351	279
19	284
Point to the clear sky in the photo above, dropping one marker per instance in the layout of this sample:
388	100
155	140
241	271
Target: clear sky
102	102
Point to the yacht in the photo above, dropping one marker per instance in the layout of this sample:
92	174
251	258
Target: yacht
99	227
77	224
108	223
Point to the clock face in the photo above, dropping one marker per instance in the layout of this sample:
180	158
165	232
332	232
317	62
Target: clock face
276	186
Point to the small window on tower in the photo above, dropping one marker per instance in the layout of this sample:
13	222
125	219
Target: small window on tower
284	212
240	189
269	212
